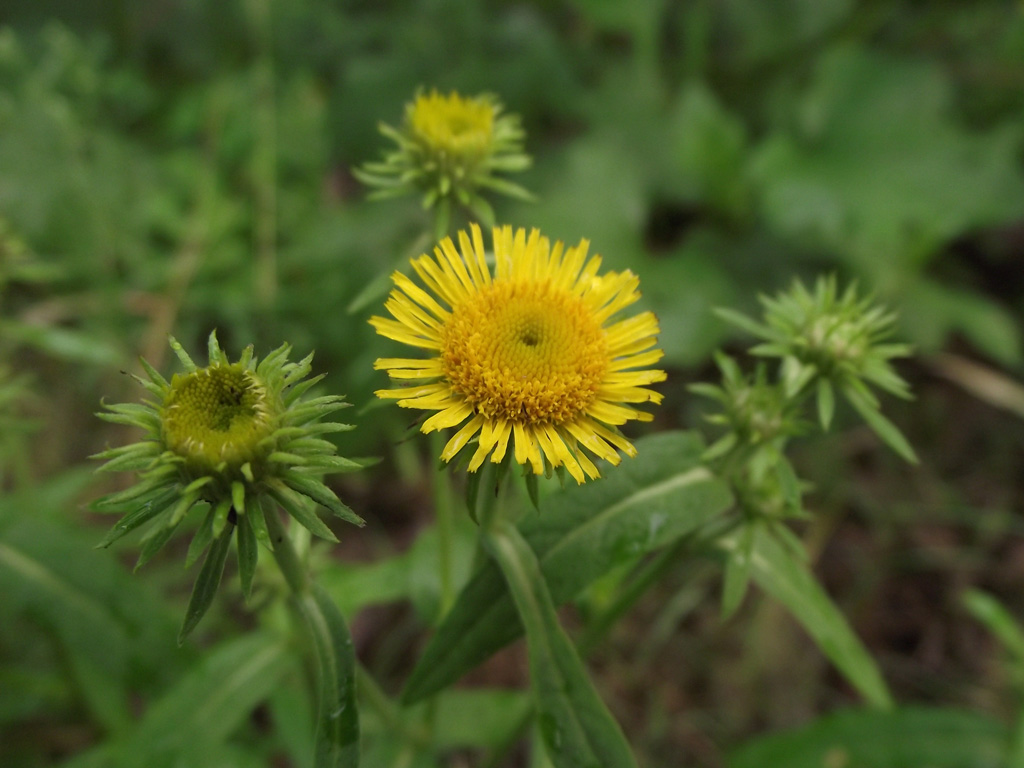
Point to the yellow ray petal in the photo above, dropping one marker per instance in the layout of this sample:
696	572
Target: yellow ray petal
449	417
503	430
407	392
410	363
463	436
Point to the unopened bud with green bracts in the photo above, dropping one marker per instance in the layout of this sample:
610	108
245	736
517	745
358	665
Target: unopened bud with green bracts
829	340
233	441
451	149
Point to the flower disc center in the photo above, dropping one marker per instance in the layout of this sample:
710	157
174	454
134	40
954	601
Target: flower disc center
526	352
216	415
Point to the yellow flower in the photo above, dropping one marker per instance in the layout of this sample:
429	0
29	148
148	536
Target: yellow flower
452	149
452	127
526	352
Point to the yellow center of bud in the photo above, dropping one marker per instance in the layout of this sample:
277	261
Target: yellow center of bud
217	417
452	126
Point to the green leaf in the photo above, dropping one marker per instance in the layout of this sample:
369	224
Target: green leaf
737	572
337	735
130	498
931	311
248	551
154	540
200	539
997	619
101	692
64	343
900	738
322	495
63	604
291	711
377	288
299	508
146	512
786	577
753	327
206	583
130	458
255	511
826	403
103	623
481	210
411	575
876	167
578	729
880	425
580	534
795	375
478	717
206	706
708	150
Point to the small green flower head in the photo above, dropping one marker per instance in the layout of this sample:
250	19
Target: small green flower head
234	441
827	340
754	410
449	148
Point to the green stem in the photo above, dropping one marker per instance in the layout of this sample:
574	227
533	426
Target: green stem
287	558
387	710
444	510
650	573
487	504
1015	757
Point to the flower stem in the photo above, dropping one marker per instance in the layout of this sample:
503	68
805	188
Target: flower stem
287	558
388	711
443	508
651	572
487	504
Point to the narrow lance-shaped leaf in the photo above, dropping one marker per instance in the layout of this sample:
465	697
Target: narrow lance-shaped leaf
321	494
200	539
146	512
879	424
337	736
787	578
737	572
151	484
918	736
826	403
997	619
578	730
206	583
579	535
248	551
207	705
130	458
154	540
301	509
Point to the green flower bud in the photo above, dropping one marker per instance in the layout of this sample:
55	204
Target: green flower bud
234	441
830	341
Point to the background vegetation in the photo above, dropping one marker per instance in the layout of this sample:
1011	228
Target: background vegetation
176	166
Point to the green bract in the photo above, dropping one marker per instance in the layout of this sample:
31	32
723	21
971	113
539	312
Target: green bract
234	441
754	410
